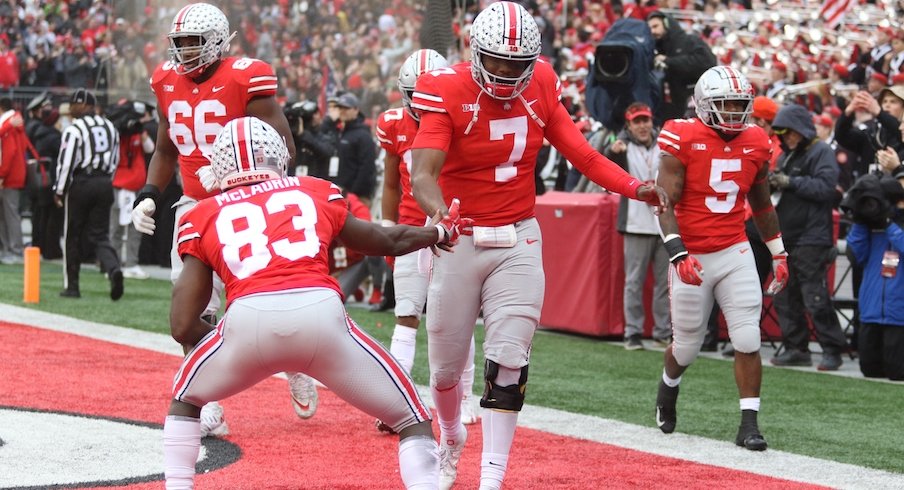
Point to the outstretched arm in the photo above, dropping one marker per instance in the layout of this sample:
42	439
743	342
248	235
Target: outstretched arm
671	179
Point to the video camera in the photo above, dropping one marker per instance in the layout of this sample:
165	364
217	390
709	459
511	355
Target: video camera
301	111
872	199
126	116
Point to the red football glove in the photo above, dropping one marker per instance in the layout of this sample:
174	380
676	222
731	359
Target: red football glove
390	261
455	225
689	270
779	272
655	196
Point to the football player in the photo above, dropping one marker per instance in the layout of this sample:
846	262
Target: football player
396	129
482	124
198	91
267	236
710	165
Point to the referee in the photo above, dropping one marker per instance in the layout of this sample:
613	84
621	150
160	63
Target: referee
88	158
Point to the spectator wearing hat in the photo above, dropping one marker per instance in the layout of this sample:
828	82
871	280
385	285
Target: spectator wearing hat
866	126
84	186
356	150
825	131
893	62
778	79
876	82
635	150
882	48
764	111
804	186
46	218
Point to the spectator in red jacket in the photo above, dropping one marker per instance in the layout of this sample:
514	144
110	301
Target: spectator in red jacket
9	66
13	145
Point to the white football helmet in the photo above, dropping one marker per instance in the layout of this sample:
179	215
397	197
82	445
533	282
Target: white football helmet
420	62
715	87
246	151
210	25
504	30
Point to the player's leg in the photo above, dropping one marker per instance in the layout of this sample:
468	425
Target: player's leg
513	298
217	367
410	297
453	302
690	310
741	297
468	411
359	370
636	264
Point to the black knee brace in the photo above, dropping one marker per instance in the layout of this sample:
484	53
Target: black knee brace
509	398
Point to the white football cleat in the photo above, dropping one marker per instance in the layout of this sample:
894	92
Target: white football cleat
212	421
468	413
449	455
304	395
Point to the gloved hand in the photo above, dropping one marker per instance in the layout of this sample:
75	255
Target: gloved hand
779	180
654	196
208	178
780	274
454	226
142	216
689	270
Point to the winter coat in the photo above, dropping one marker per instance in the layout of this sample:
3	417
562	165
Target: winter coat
881	299
357	159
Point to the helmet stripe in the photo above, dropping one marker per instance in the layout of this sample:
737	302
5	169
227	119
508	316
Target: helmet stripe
513	23
242	142
733	79
422	61
180	17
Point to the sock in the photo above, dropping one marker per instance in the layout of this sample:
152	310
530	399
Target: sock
448	410
498	434
419	462
671	383
181	446
467	377
752	403
403	345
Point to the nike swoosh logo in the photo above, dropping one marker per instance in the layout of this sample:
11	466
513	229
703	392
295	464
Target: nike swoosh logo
530	242
495	464
531	102
744	250
217	89
747	151
659	421
304	407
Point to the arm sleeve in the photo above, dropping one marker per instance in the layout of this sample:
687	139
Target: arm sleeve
435	131
858	242
565	137
70	154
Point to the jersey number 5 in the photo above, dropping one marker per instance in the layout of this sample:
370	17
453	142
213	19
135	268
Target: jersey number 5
250	237
200	134
728	188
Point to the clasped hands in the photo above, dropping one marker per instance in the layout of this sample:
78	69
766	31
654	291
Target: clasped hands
452	225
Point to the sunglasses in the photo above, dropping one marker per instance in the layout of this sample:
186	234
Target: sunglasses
779	131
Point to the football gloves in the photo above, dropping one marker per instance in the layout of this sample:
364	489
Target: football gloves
689	270
779	272
142	216
207	178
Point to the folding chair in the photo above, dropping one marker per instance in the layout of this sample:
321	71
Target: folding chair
845	305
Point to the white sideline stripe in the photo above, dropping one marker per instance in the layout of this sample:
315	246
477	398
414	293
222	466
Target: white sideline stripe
778	464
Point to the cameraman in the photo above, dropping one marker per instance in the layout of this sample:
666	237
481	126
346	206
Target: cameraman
876	241
315	147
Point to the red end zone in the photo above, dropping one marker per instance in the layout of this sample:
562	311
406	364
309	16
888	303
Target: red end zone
337	449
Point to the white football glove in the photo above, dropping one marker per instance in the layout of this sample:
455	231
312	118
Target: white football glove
142	216
208	178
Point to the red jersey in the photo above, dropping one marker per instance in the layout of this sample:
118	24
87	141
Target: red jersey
197	112
718	175
396	130
131	171
269	236
491	145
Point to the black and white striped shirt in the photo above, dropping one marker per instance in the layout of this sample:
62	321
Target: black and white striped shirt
90	146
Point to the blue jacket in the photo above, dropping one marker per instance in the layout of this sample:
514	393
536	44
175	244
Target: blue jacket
881	299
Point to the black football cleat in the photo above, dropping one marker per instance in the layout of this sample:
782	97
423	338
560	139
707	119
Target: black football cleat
116	285
666	411
749	437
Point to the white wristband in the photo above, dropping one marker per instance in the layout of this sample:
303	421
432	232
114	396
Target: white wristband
441	234
776	246
387	223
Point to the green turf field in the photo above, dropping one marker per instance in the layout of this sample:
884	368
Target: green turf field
843	419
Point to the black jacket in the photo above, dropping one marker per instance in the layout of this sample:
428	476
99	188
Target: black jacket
687	57
866	138
314	150
805	209
357	159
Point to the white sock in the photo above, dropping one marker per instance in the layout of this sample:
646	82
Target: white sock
671	383
419	462
448	410
467	377
403	345
752	403
181	446
498	434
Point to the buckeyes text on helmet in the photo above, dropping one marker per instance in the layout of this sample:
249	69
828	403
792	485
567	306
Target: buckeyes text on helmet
247	151
508	32
420	62
724	99
199	37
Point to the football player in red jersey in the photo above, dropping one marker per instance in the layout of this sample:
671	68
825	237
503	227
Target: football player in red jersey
710	164
267	236
482	124
198	91
396	130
